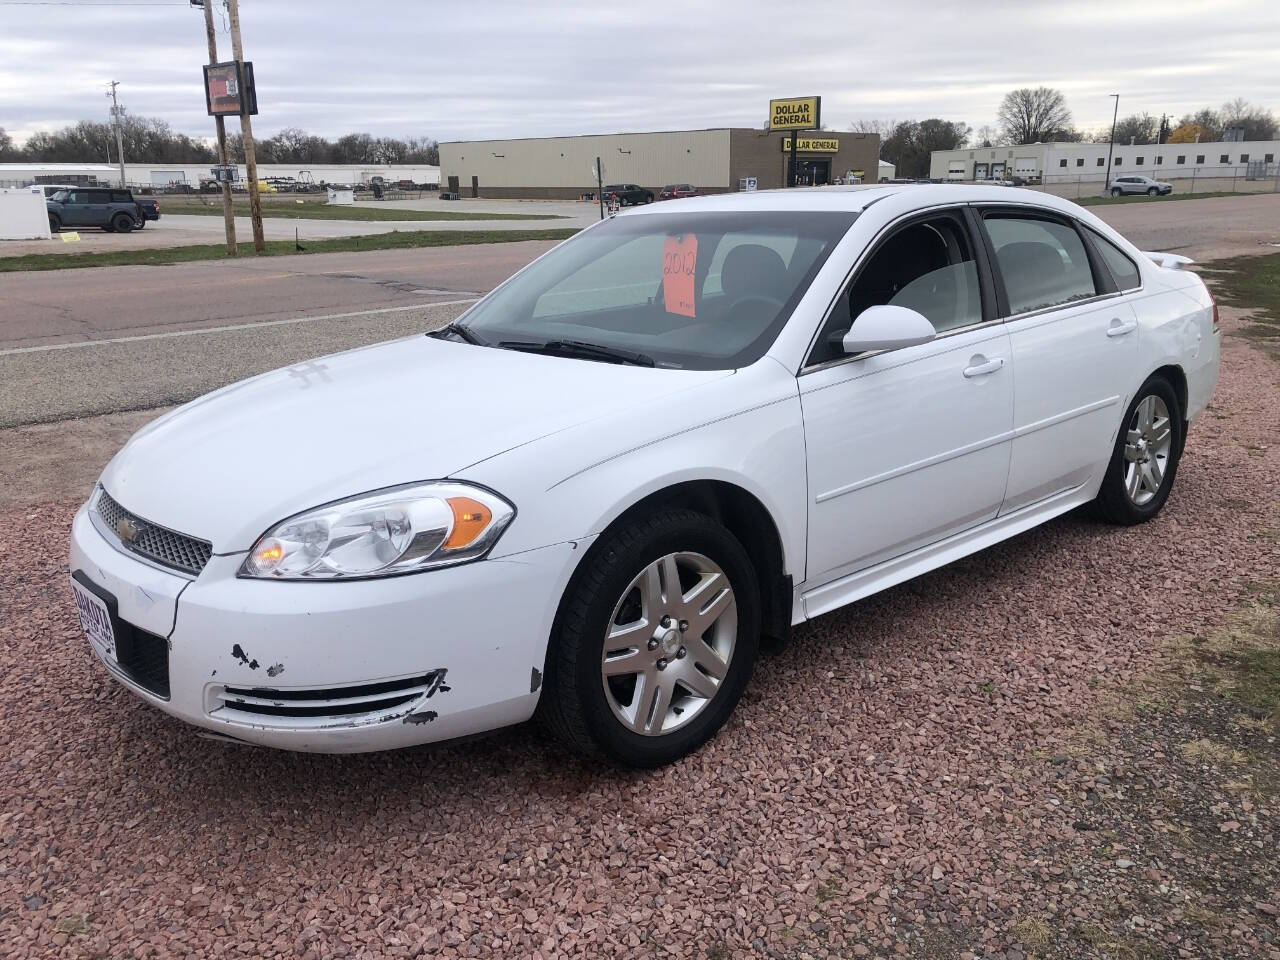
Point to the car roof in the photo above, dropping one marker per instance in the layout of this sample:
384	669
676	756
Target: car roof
855	198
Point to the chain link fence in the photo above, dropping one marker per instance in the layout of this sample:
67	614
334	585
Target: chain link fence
1246	178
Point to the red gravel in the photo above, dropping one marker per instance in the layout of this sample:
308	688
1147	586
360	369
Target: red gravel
875	793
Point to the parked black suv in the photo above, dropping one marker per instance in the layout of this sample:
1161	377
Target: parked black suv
112	209
628	194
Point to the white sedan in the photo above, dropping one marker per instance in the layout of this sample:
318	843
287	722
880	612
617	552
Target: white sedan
646	456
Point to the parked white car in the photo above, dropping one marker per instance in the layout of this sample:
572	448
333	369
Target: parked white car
669	439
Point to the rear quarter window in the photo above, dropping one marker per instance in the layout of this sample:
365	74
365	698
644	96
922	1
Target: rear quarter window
1123	270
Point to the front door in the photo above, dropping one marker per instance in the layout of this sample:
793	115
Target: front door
907	447
1075	346
75	208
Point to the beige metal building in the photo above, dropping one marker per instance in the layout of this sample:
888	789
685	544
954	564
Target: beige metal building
714	161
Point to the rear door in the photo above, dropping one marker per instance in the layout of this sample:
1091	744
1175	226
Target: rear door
1075	346
98	210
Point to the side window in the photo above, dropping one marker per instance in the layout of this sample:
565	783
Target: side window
927	266
1123	270
1043	262
120	197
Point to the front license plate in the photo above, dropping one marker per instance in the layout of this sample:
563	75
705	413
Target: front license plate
95	618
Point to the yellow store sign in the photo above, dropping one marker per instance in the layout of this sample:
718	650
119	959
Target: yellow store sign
812	145
796	113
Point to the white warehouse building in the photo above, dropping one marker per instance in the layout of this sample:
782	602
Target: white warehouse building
190	175
1070	163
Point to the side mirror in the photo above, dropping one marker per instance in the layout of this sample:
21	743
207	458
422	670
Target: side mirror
886	327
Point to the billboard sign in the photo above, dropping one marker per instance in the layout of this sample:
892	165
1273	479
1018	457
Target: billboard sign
229	90
795	113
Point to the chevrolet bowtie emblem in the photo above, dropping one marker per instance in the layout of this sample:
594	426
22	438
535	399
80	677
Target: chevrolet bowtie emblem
127	530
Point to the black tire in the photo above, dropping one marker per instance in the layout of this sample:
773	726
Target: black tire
122	223
139	224
1116	191
1152	192
1114	503
573	706
55	223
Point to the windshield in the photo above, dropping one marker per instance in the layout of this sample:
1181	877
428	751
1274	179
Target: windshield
702	291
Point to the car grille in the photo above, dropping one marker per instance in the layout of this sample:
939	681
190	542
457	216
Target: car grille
327	706
164	546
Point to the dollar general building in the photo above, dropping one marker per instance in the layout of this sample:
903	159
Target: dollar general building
713	161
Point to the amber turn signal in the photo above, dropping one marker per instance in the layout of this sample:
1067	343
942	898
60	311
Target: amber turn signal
470	519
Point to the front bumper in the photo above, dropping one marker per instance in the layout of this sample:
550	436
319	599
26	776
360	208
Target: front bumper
340	667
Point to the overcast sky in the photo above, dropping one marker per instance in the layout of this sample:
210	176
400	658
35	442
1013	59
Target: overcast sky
463	69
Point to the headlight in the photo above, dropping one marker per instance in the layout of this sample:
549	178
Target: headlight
382	533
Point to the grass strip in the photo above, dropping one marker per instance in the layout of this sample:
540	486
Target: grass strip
396	240
1143	198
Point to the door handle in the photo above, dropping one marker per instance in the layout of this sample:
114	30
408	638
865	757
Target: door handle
982	366
1120	327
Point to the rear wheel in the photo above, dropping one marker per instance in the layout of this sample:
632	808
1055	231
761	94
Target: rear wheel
1145	459
655	641
1116	191
55	223
122	223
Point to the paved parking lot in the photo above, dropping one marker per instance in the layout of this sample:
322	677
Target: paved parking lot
183	229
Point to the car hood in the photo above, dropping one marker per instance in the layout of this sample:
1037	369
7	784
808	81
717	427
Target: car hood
231	464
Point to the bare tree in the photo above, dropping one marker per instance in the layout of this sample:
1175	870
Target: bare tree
1034	115
988	135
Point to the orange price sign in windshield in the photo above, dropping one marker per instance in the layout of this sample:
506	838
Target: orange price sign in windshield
679	266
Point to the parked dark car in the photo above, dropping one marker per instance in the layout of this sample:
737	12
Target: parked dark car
674	191
112	209
628	194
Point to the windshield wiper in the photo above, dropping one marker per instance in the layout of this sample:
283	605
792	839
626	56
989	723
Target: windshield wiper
580	348
463	332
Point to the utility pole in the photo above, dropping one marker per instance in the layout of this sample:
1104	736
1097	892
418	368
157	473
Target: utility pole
1111	148
116	122
228	209
246	130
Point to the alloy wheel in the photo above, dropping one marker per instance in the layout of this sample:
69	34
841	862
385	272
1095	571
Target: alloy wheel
669	643
1148	445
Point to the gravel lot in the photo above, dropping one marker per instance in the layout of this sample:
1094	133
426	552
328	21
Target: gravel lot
893	784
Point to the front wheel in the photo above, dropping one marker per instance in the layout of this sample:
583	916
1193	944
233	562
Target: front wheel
1152	191
1145	459
655	641
55	224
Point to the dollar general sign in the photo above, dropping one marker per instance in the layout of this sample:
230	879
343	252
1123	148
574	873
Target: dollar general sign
796	113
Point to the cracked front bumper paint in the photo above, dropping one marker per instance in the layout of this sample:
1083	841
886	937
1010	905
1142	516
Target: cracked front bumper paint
347	666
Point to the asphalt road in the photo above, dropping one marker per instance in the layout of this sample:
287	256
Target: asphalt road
43	308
